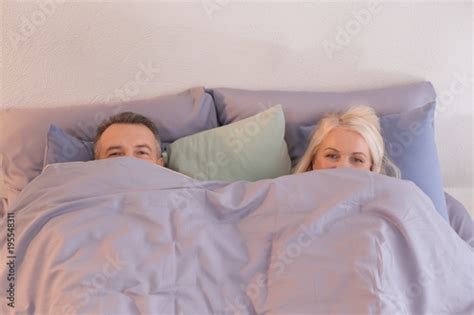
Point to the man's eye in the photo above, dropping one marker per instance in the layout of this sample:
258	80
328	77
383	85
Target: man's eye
113	154
142	152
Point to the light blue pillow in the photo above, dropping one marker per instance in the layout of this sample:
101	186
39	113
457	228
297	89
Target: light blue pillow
62	147
410	144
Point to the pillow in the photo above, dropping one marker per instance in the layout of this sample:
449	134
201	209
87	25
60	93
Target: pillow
62	147
250	149
410	144
460	219
414	153
306	108
22	129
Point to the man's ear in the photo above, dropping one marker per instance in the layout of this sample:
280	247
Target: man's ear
160	162
96	151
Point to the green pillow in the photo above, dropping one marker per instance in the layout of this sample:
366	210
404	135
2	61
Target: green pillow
250	149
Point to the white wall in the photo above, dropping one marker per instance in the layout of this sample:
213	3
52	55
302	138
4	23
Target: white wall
56	53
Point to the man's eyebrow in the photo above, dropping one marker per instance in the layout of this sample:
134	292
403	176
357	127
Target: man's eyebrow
116	147
141	146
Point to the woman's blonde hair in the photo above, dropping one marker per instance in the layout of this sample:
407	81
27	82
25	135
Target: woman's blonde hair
364	121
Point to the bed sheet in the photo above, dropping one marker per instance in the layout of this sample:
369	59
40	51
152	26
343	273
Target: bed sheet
126	236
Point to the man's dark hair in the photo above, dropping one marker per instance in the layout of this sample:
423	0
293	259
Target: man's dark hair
127	118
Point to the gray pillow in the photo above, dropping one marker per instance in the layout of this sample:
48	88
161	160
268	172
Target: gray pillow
406	111
22	140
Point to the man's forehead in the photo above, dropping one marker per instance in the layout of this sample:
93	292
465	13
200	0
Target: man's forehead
127	128
127	135
128	131
111	146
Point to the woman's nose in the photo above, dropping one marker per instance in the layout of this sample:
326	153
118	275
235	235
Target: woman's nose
342	163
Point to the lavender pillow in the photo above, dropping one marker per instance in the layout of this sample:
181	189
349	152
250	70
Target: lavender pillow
306	108
460	219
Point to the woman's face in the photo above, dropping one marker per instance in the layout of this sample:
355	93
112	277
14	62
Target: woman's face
343	147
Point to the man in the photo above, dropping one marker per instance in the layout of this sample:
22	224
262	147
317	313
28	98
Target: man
128	134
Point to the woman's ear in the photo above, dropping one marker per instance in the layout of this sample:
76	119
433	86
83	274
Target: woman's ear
313	161
371	167
311	165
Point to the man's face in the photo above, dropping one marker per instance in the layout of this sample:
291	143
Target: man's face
131	140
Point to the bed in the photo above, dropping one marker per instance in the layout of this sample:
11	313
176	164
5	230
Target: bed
226	228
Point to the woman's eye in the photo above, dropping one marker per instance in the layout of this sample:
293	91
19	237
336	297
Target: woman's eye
331	156
142	152
113	154
360	161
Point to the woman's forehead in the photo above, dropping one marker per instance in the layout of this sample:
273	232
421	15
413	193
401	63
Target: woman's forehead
344	139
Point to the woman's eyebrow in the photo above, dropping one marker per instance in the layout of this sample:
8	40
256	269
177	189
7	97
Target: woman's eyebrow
332	149
360	153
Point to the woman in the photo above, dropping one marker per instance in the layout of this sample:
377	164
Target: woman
349	139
